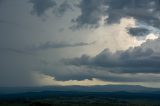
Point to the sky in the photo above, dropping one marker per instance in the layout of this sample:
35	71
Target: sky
79	42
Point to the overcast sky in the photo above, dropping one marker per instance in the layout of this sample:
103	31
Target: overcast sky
79	42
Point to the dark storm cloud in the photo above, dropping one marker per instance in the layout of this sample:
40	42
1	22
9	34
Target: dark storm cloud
65	73
138	31
140	64
142	59
145	11
51	45
91	13
62	8
41	6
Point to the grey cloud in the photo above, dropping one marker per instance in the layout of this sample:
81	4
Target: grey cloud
5	22
48	45
65	73
51	45
16	70
145	11
142	59
91	13
138	31
2	21
62	9
14	50
1	1
41	6
11	23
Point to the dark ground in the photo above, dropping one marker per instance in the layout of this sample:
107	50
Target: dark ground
70	98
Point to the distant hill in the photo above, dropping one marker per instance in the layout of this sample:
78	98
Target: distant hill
109	95
105	88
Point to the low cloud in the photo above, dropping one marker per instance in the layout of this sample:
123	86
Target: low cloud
56	45
149	80
45	46
80	73
141	59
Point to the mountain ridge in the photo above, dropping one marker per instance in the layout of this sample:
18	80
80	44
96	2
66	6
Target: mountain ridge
98	88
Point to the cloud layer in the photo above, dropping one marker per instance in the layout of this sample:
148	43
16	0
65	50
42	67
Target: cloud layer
142	59
56	45
143	10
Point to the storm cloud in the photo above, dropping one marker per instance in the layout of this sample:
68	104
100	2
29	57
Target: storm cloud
62	9
41	6
56	45
138	31
80	73
29	50
116	41
92	11
142	59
